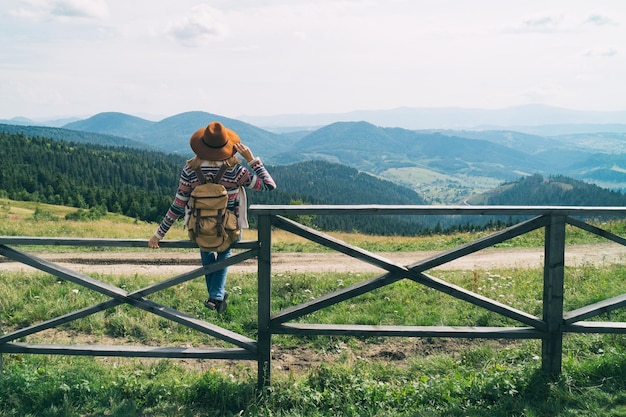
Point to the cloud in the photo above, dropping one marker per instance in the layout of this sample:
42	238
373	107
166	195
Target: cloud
203	25
543	23
601	52
40	10
600	20
88	9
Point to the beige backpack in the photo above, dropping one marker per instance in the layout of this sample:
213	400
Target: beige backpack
211	225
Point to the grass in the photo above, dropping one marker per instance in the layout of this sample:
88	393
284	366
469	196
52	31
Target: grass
18	218
333	376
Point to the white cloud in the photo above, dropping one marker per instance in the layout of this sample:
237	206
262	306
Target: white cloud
88	9
601	52
541	23
301	56
598	19
203	25
64	10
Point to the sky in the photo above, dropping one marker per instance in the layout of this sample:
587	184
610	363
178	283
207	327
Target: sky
158	58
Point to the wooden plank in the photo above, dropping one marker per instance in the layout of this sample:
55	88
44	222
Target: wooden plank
128	351
596	327
479	244
377	209
553	284
64	273
234	259
149	306
264	345
596	231
112	303
398	272
480	301
408	331
326	300
57	321
352	291
135	299
106	242
335	297
194	323
336	244
595	309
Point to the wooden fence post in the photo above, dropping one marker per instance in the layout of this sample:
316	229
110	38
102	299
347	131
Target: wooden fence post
264	343
553	283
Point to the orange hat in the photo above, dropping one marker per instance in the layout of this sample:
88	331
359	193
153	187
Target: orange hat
214	142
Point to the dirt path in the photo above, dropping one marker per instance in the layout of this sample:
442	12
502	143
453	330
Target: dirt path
163	262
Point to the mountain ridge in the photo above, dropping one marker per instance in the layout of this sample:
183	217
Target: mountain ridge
417	118
471	159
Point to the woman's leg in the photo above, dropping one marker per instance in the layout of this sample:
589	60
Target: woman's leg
216	280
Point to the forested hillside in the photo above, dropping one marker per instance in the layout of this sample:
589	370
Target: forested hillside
320	182
141	184
66	135
469	160
137	183
536	190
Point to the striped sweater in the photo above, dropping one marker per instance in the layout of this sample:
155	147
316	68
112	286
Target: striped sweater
234	178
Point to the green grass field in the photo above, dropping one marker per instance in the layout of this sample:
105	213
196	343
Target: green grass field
313	376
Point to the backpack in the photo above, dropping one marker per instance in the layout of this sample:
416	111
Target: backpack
211	225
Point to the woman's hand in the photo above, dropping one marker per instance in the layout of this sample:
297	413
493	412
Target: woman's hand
154	242
244	151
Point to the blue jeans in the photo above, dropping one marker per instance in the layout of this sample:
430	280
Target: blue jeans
216	280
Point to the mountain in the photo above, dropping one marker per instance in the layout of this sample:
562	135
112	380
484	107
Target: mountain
556	190
376	149
20	121
112	123
570	128
23	121
142	183
67	135
329	183
460	162
447	165
172	133
419	118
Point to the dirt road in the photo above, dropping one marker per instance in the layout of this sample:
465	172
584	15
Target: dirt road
164	262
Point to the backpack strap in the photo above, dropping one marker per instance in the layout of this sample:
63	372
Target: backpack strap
200	175
220	174
216	179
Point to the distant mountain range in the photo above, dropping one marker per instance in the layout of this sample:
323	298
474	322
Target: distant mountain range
444	165
172	134
534	118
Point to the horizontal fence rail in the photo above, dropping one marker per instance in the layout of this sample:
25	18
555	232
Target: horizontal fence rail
549	328
246	347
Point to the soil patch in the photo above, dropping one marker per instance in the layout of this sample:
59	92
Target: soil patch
164	262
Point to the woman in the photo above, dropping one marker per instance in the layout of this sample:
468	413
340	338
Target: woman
214	146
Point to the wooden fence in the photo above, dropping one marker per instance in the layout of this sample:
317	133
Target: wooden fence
549	328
